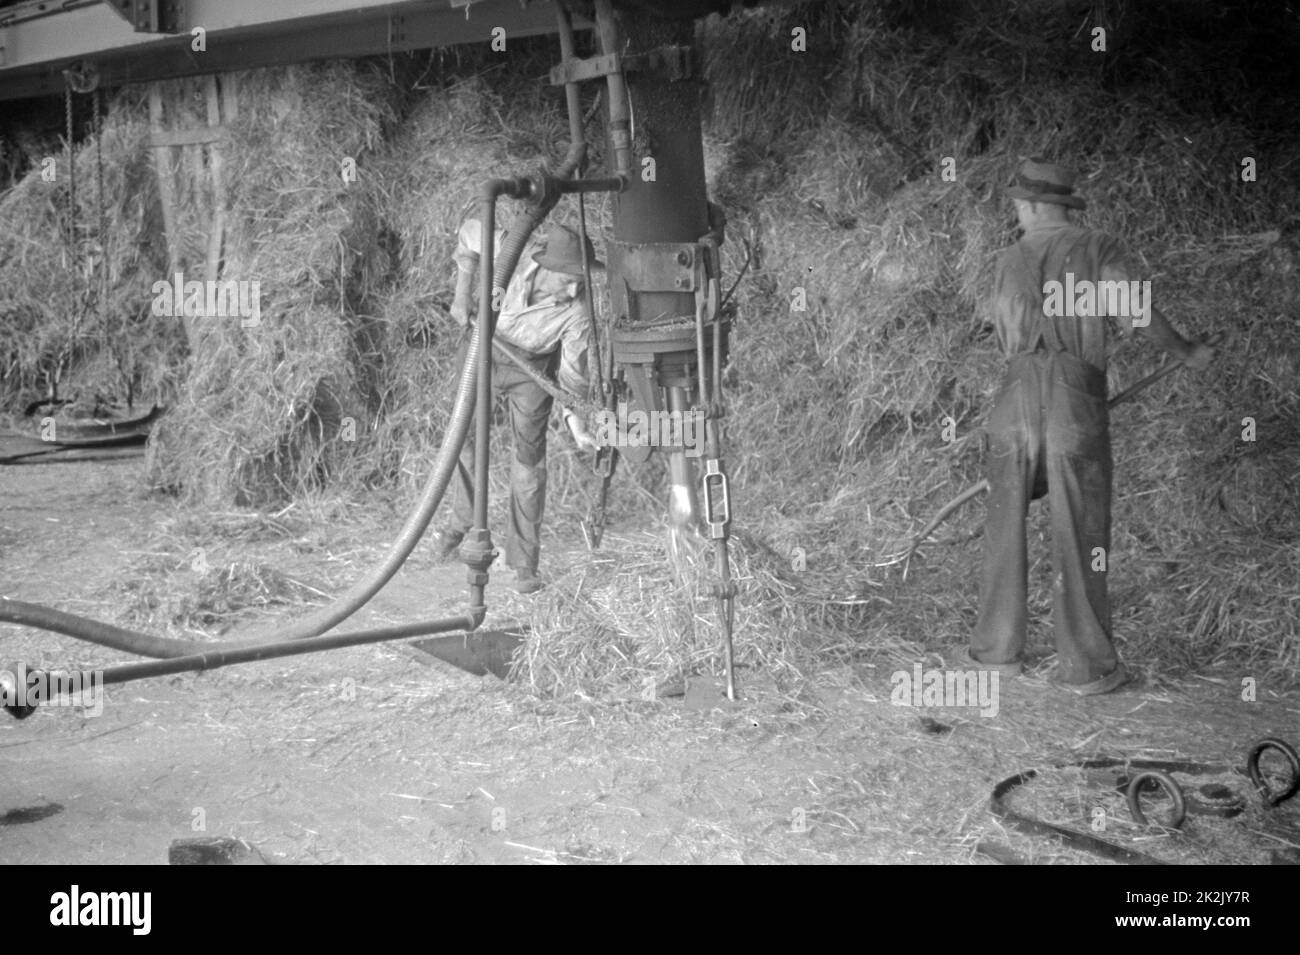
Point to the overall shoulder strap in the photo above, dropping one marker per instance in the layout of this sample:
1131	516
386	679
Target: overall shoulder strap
1048	332
1046	327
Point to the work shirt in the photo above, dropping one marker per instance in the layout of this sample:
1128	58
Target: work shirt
1046	253
540	311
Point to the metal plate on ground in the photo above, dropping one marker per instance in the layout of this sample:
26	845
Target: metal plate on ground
479	652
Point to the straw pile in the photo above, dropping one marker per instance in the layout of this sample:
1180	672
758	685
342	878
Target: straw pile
270	411
639	615
51	319
846	202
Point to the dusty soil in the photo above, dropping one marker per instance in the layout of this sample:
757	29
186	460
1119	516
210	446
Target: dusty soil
380	754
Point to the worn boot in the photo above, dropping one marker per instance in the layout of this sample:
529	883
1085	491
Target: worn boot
527	580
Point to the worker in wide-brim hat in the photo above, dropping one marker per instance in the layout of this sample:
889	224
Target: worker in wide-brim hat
544	317
1049	429
563	253
1039	181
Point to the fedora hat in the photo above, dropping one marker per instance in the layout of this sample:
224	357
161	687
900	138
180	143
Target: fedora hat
1041	181
562	253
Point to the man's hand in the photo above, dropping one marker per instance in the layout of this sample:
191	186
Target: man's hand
460	312
463	298
581	436
1199	357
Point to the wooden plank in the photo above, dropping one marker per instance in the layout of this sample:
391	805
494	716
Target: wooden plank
218	228
190	137
230	96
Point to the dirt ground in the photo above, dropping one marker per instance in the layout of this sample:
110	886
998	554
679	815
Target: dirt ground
381	754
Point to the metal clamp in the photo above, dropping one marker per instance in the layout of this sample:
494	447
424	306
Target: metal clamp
603	464
671	63
715	480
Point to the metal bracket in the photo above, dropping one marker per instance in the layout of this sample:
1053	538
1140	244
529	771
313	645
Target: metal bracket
150	16
671	63
655	266
576	70
35	9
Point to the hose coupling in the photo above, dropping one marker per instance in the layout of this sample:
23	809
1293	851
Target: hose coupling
478	553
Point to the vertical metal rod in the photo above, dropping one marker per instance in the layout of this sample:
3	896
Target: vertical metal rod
715	478
682	509
486	325
596	390
620	110
701	367
715	398
572	99
726	613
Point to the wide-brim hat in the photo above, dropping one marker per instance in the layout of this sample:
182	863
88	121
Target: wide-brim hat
562	253
1040	181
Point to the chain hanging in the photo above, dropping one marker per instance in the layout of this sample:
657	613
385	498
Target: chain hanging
70	219
102	225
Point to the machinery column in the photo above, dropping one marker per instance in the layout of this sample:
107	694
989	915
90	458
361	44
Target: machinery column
667	337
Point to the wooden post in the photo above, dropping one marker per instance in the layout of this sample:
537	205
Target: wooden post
162	161
218	229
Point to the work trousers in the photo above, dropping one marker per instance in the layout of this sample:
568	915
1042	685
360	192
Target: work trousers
1049	434
529	408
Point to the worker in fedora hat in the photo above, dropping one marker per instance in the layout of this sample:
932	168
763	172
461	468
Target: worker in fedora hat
544	317
1039	181
563	253
1049	429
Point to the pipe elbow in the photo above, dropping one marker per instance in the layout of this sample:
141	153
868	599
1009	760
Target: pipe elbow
517	188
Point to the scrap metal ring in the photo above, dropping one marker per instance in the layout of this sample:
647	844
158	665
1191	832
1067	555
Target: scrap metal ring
1272	797
1165	782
